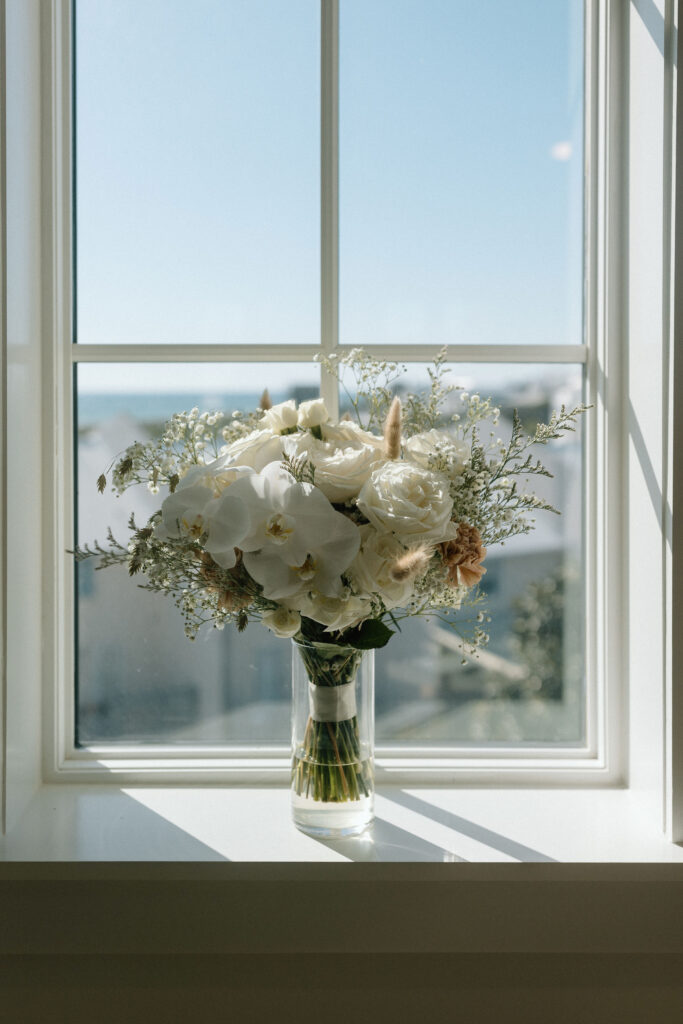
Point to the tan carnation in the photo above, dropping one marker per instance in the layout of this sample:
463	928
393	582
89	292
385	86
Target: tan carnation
463	556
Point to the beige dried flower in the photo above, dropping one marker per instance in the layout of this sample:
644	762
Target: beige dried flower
463	556
209	571
265	403
392	430
233	602
231	598
411	564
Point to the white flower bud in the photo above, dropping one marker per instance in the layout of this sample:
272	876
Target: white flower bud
313	413
280	417
283	622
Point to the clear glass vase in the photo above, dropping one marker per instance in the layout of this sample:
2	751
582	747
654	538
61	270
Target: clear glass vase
333	727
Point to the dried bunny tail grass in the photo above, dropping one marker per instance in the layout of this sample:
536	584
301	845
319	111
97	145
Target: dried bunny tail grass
265	403
346	417
392	430
411	564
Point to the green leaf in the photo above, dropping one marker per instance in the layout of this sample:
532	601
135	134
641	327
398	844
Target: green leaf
372	633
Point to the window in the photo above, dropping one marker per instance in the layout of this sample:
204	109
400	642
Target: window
454	212
600	538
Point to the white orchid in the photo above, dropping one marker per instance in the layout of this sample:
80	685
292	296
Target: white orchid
226	521
295	539
182	513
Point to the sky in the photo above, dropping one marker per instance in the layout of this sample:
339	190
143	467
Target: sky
197	175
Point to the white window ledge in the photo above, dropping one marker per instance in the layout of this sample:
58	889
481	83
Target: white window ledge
86	823
98	869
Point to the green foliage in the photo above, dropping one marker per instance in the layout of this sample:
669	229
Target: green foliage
544	639
299	467
488	493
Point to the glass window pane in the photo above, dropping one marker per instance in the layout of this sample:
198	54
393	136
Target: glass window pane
197	171
139	678
528	684
461	171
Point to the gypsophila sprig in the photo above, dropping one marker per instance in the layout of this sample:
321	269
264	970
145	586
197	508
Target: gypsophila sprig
371	391
424	411
187	439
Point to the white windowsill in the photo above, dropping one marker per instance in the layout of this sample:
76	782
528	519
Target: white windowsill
86	823
215	870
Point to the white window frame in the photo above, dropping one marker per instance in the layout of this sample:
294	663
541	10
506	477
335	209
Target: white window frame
102	761
45	29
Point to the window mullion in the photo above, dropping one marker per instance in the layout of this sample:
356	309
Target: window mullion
329	193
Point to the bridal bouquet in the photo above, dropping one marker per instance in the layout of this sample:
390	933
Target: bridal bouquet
331	531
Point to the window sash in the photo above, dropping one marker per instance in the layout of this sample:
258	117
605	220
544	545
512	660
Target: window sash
600	754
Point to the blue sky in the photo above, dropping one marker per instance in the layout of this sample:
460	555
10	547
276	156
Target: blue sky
198	162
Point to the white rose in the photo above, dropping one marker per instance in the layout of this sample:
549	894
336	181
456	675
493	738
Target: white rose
341	467
313	413
412	502
421	447
256	450
215	475
349	430
280	417
370	570
283	622
336	613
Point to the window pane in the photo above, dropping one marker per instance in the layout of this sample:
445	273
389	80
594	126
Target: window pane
528	684
139	678
197	167
461	171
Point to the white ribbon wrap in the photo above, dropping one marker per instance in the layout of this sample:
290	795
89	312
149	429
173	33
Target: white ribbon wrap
332	703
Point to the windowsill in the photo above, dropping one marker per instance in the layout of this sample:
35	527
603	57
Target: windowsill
172	870
90	823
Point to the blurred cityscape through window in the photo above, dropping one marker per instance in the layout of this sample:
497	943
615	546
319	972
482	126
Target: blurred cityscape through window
140	680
